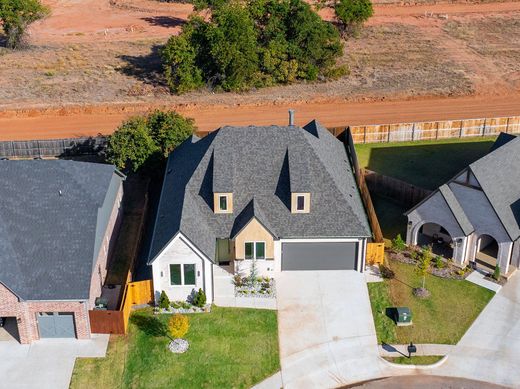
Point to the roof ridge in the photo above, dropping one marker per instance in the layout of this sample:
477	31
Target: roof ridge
456	209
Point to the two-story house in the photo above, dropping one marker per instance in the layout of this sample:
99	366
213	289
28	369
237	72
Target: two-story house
284	197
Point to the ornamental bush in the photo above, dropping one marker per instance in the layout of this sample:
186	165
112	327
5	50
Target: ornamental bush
252	44
398	243
178	326
164	301
200	299
496	273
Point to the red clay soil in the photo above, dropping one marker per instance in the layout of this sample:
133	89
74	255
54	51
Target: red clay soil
26	125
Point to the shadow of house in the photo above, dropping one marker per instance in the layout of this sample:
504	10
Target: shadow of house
145	68
164	21
426	166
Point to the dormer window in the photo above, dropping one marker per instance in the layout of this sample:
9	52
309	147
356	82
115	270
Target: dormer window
300	203
223	202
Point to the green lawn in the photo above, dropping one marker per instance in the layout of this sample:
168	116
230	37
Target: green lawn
442	318
390	215
229	348
427	164
416	360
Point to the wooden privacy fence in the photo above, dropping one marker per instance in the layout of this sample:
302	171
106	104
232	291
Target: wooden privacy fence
434	130
375	253
399	191
116	322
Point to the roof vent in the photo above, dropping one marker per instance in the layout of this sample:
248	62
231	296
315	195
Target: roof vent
291	117
60	193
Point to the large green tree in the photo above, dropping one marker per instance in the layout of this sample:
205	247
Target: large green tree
351	14
16	16
143	140
252	43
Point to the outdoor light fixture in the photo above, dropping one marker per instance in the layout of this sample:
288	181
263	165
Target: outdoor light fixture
412	348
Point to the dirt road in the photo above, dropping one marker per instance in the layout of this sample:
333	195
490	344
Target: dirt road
92	121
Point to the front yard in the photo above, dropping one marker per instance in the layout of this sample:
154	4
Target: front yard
442	318
229	348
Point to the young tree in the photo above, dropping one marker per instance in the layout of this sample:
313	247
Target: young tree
423	264
16	16
178	326
351	14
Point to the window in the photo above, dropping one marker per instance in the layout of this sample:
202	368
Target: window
300	203
254	250
175	274
249	250
182	274
260	250
223	203
189	274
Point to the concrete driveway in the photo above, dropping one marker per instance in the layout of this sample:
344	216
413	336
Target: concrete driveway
326	331
46	363
490	349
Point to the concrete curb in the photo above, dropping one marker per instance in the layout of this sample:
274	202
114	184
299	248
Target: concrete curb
420	367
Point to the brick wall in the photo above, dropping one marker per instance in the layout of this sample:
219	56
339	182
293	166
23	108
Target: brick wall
25	313
100	270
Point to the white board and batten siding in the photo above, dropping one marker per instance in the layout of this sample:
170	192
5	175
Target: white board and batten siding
181	251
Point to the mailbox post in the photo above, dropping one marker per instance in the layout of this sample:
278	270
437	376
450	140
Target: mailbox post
412	348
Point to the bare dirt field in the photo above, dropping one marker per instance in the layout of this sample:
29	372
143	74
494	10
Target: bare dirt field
101	57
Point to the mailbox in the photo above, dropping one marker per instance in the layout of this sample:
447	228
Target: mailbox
403	316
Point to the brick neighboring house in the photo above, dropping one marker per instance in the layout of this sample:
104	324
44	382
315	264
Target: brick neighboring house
58	223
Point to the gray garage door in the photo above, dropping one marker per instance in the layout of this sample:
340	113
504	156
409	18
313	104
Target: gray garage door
319	256
56	325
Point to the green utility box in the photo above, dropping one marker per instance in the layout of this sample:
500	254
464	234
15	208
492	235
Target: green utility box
403	316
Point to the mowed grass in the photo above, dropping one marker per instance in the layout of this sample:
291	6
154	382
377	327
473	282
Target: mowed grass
229	348
390	215
442	318
416	360
427	164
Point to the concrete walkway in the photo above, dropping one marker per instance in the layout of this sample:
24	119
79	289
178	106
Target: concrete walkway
47	363
398	350
478	278
490	349
225	293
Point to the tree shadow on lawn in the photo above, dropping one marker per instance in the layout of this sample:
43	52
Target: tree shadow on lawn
150	325
146	68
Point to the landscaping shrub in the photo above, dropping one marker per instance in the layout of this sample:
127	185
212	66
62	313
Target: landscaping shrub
178	326
496	273
145	140
439	263
252	44
200	299
164	301
16	16
386	272
398	243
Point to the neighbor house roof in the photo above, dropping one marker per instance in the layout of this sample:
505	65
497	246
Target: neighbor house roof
262	165
51	226
498	175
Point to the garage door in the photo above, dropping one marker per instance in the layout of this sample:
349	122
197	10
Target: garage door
319	256
56	325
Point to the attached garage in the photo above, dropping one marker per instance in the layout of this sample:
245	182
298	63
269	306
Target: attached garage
319	255
56	325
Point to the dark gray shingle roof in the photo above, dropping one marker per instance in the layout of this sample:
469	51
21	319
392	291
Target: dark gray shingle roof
456	209
47	240
262	170
498	173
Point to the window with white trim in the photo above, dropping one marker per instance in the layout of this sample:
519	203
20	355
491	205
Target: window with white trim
300	203
254	250
182	274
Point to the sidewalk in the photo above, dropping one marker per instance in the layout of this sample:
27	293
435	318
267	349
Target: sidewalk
398	350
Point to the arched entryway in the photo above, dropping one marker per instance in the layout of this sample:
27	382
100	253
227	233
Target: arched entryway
436	236
487	252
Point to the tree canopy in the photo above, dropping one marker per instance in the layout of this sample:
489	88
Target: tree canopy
142	140
252	44
351	14
16	16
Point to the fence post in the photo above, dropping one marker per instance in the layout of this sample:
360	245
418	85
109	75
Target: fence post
460	130
413	131
484	128
437	132
365	135
388	139
507	126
